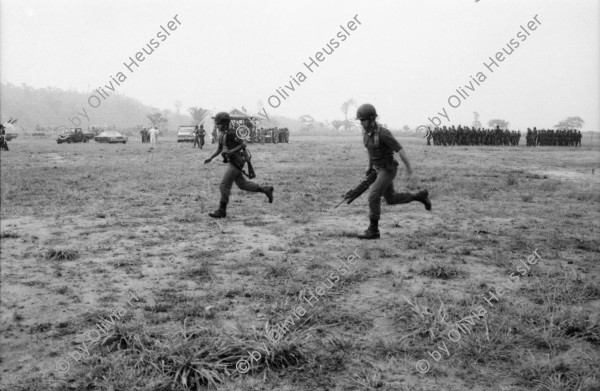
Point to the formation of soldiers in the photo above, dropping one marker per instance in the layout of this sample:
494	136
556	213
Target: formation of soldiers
549	137
263	136
471	136
269	135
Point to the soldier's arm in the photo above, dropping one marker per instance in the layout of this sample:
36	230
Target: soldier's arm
241	146
405	160
392	143
219	150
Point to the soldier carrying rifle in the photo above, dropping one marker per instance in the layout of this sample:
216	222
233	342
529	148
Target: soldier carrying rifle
233	151
381	145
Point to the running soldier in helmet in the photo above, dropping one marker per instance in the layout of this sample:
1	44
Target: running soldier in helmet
381	145
232	146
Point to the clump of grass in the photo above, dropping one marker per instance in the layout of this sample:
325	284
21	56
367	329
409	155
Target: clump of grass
478	193
202	272
527	197
203	357
40	328
278	271
562	289
186	218
550	185
8	235
63	290
511	180
61	255
443	272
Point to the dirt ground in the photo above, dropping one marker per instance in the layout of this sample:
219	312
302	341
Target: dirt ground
115	241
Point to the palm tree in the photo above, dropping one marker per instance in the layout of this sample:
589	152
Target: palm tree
156	119
198	114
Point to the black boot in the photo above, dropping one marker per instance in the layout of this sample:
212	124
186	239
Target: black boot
221	212
269	192
423	196
372	232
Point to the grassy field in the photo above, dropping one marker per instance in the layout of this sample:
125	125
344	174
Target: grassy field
114	277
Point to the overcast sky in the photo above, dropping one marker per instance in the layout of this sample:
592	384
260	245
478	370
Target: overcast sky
406	57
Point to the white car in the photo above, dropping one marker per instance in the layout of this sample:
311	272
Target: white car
186	134
110	136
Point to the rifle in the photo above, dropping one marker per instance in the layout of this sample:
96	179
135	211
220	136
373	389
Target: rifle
361	188
247	157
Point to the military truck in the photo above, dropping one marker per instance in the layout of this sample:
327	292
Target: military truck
74	135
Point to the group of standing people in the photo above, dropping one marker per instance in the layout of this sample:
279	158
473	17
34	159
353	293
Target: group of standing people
471	136
149	135
270	135
543	137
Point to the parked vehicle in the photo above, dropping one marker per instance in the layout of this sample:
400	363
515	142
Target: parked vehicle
186	134
74	135
111	137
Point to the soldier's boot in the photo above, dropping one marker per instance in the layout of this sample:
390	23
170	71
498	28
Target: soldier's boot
268	190
221	212
423	196
372	232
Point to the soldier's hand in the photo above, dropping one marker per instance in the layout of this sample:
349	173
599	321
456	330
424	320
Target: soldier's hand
411	179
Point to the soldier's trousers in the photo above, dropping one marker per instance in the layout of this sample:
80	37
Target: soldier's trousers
233	174
201	142
196	142
384	187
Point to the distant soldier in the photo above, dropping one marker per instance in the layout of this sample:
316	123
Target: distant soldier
381	146
196	137
202	135
261	134
275	135
232	147
428	135
145	135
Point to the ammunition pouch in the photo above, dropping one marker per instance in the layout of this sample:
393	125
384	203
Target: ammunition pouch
236	158
387	162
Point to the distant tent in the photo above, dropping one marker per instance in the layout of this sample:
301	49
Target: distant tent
236	114
240	118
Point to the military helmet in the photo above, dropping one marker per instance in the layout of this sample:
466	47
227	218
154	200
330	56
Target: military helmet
366	110
222	118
